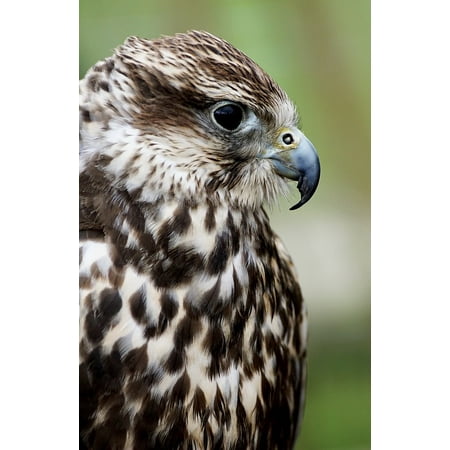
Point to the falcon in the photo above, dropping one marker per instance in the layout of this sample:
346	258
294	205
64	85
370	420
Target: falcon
192	322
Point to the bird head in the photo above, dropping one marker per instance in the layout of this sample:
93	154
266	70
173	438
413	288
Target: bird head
190	115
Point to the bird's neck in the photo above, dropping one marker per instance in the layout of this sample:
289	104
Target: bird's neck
180	237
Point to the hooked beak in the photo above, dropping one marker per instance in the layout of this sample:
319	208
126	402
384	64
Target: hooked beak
293	156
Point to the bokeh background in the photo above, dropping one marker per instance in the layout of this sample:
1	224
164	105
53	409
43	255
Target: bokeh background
319	52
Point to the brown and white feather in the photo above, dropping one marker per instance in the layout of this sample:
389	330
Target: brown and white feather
192	323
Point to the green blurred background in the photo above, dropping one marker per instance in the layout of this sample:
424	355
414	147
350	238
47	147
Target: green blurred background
319	52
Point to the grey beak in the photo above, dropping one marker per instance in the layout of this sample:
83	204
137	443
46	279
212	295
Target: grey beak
306	161
300	163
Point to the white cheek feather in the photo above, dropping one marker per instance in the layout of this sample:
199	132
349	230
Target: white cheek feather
119	141
140	176
251	123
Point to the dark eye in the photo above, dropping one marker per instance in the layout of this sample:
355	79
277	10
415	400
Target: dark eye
229	116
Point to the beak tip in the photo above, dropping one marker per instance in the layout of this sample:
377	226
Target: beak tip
303	200
307	187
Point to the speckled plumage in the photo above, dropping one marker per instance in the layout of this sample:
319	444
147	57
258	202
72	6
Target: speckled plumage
192	324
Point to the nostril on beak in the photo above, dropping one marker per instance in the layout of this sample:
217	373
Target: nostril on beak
287	138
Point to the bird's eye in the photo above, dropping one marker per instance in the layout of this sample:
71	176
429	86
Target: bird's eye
228	116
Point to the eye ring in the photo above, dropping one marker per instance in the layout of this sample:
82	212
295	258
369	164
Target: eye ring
228	115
